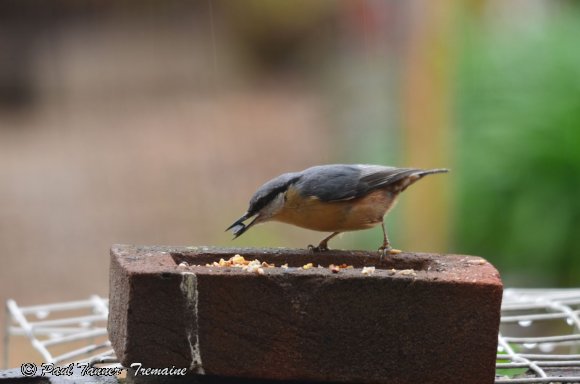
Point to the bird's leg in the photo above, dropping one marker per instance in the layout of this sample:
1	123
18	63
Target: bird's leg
386	247
323	246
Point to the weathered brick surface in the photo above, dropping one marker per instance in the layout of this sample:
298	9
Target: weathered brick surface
435	324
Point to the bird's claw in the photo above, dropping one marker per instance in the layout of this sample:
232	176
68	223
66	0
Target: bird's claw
384	250
319	248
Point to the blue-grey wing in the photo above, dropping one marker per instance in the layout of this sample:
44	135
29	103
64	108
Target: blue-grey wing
347	181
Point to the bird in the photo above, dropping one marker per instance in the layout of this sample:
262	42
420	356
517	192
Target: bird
331	198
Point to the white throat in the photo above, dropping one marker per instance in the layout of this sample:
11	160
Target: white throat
272	208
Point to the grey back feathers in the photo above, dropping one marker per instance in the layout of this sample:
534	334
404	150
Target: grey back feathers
350	181
333	182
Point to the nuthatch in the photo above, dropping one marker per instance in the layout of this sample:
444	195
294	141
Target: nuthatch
331	198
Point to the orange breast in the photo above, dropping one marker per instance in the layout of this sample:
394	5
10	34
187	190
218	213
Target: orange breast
339	216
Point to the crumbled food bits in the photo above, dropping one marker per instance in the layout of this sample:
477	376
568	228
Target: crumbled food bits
183	264
337	268
408	272
334	268
238	259
368	270
284	266
477	261
253	266
394	251
266	265
308	266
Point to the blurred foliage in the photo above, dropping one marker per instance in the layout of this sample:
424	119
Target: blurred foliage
518	149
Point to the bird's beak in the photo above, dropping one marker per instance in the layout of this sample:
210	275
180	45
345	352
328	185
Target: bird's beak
238	227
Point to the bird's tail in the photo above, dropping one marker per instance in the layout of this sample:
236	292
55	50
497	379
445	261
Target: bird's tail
425	172
418	174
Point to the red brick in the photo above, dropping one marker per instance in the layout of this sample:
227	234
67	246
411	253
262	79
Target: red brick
435	324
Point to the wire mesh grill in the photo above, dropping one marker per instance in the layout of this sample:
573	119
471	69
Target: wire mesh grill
74	331
539	340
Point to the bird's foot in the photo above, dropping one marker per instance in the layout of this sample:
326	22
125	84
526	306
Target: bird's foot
319	248
387	250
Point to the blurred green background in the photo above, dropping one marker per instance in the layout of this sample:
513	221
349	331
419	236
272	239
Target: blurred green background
154	122
518	145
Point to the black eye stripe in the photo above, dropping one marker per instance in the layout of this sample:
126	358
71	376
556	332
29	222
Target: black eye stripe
273	188
264	200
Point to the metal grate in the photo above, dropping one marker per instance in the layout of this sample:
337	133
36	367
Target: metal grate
74	331
539	340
